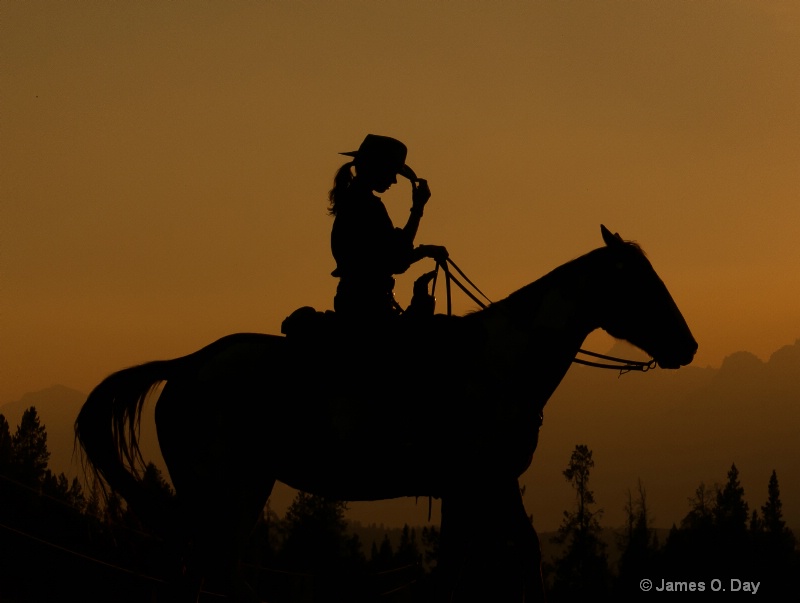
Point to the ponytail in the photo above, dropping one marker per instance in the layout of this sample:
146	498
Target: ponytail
341	183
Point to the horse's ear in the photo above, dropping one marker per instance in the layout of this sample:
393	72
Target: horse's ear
610	239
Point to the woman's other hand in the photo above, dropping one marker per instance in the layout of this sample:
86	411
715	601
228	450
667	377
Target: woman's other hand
435	252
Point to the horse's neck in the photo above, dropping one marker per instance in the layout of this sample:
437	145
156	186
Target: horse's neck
535	333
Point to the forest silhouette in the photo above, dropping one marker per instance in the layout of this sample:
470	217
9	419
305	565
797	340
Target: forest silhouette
63	542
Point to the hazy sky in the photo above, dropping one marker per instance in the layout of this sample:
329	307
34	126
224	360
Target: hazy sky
165	165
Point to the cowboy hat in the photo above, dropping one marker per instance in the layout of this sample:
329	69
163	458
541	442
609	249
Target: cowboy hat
384	150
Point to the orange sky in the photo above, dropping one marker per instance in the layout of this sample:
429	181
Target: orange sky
166	165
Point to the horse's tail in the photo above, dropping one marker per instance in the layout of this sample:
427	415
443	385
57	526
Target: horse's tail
107	430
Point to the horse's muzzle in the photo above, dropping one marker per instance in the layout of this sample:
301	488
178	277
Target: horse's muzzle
678	359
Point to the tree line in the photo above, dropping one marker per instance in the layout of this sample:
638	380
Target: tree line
720	546
58	538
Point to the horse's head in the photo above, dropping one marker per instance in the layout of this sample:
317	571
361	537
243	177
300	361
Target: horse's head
638	308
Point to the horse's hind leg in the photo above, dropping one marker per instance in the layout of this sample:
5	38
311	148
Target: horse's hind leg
178	444
221	489
227	519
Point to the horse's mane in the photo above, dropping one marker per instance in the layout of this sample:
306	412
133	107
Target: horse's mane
536	289
636	246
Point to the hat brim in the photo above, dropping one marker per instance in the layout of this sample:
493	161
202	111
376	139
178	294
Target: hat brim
407	172
404	171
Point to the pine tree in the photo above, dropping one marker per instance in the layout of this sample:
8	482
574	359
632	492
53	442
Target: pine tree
430	542
7	493
316	543
731	511
774	526
382	557
700	516
315	534
5	446
638	543
583	569
29	450
408	550
577	473
692	548
159	488
93	504
774	558
773	509
55	486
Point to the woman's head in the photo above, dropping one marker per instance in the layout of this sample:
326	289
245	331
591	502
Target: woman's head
381	153
377	162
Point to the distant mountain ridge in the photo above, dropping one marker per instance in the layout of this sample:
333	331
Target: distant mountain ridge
672	429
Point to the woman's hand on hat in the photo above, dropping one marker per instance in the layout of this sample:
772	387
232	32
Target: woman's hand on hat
420	193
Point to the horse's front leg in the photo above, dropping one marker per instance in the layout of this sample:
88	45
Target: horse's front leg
489	549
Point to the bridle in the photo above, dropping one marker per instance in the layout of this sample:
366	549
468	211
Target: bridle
622	365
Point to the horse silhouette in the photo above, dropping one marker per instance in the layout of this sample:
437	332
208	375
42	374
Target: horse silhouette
449	408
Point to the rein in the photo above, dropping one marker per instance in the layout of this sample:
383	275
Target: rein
623	365
620	364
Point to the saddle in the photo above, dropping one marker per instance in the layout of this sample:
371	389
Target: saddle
374	349
307	322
